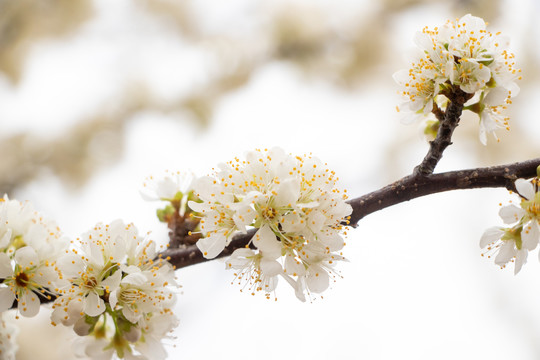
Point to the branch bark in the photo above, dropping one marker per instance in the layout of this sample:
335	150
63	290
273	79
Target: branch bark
405	189
448	123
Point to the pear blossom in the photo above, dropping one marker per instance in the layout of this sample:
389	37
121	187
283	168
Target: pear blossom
515	243
291	200
461	54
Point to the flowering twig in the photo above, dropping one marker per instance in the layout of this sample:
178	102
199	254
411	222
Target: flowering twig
407	188
444	135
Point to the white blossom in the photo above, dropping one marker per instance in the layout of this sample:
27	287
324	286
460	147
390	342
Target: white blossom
29	247
462	54
118	288
515	243
291	200
166	187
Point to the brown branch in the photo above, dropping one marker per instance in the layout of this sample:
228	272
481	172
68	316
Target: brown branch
457	98
407	188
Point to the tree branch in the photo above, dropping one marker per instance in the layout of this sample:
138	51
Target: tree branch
457	98
405	189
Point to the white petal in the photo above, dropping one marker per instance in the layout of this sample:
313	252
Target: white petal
6	238
197	206
81	327
288	192
490	236
211	246
317	280
29	304
6	298
270	267
113	281
136	279
496	96
5	266
525	188
265	240
93	304
294	267
521	258
26	257
240	258
511	214
506	253
530	235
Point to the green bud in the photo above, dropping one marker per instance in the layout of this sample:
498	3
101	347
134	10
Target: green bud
538	171
178	197
164	214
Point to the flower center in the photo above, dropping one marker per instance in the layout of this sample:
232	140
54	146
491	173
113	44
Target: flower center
269	212
90	282
532	208
21	279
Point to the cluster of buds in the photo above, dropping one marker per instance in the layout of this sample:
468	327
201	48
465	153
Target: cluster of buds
463	55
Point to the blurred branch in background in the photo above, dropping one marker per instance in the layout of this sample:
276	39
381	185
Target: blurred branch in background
342	53
23	22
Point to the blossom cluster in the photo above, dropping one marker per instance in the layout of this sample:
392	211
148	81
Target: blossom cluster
296	208
514	243
110	284
461	54
119	296
30	246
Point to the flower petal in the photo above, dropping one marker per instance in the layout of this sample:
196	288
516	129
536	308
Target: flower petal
5	266
525	188
490	236
265	240
530	235
26	257
93	304
29	304
7	297
511	213
211	246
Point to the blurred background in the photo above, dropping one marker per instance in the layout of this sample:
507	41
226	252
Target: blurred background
95	95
